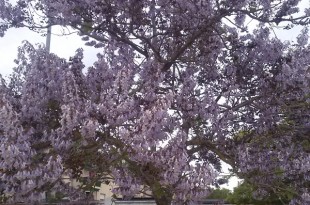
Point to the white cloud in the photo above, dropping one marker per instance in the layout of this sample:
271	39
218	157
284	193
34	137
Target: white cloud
63	46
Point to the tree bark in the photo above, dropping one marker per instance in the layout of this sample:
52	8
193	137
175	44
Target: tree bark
163	200
162	195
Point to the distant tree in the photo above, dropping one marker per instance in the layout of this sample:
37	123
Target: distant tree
175	83
245	194
219	193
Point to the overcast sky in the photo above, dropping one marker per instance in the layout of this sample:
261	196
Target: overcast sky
65	46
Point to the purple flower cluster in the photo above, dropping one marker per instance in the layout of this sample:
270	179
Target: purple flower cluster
179	87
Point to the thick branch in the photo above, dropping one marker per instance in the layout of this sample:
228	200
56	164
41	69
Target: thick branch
201	143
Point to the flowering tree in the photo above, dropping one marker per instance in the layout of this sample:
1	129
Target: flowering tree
178	87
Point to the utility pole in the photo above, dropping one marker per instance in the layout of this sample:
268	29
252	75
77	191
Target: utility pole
49	31
48	38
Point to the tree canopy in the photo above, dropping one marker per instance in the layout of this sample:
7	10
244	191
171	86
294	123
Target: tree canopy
219	194
245	194
179	86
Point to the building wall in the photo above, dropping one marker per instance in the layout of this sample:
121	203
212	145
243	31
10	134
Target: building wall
104	194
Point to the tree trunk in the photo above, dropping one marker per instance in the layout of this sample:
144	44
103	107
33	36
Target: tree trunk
163	200
162	195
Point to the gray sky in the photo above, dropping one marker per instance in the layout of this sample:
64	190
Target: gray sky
65	46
